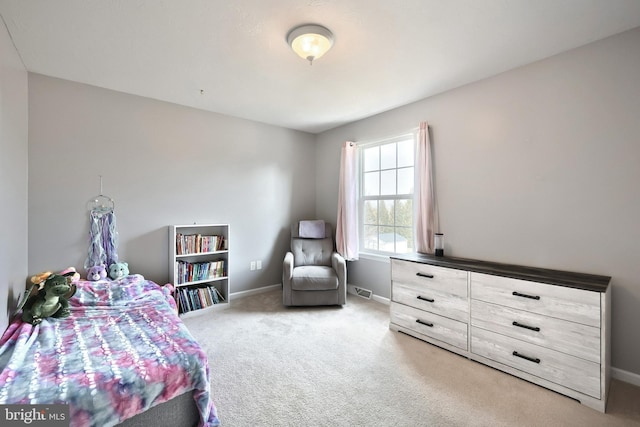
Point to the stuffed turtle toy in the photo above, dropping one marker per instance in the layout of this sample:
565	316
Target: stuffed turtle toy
48	297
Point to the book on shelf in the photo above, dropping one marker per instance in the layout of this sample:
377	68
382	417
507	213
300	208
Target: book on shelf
198	271
196	298
187	244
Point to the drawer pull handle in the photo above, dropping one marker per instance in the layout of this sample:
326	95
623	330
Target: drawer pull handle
518	294
424	323
530	359
428	276
420	297
520	325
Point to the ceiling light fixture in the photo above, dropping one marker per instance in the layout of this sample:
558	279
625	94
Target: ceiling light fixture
310	41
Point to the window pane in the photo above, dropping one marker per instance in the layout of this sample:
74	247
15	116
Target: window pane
404	239
388	156
371	159
388	182
387	239
371	212
387	212
372	183
371	237
404	213
405	181
405	153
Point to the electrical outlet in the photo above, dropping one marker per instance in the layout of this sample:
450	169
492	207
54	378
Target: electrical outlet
259	264
253	265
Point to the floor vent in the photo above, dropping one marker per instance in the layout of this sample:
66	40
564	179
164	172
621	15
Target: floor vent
364	293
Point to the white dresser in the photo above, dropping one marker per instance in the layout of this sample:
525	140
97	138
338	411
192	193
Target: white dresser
548	327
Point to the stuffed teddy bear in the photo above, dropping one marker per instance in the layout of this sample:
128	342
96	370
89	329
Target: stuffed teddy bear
97	272
48	297
118	270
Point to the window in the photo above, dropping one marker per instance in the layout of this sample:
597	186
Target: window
386	195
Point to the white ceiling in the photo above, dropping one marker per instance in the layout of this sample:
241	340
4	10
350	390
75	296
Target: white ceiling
231	56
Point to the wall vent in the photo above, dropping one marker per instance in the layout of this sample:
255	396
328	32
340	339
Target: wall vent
364	293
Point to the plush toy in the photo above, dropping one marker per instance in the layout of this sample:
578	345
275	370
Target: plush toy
118	270
48	297
97	272
75	275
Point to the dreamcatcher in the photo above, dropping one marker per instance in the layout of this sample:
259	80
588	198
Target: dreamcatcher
103	235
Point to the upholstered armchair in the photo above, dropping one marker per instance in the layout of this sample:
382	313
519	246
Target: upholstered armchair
313	272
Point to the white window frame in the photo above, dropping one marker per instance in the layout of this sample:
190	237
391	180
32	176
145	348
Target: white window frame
372	253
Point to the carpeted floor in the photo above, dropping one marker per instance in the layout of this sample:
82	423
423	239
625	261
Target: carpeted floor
329	366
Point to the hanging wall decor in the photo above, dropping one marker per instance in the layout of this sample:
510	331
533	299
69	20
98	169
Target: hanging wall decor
103	234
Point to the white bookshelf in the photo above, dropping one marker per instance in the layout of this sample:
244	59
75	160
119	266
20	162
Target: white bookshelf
197	270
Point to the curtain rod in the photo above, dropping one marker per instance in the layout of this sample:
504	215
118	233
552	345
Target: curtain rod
411	132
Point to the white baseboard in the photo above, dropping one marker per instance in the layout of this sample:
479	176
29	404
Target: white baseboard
242	294
263	289
626	376
374	297
382	300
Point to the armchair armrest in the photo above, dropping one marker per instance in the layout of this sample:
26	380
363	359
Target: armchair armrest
287	268
340	266
287	276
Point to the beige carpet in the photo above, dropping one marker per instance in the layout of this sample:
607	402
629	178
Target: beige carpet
327	366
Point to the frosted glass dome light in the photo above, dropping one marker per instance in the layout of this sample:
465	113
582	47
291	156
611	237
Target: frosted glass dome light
310	42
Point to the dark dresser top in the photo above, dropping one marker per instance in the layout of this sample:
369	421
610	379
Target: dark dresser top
589	282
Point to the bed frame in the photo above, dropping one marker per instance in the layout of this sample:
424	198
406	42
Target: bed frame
179	411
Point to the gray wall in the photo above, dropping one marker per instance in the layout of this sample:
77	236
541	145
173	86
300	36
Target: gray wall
162	164
538	166
13	176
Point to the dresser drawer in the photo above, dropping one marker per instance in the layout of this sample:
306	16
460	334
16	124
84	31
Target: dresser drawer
567	337
444	304
561	302
431	325
425	276
571	372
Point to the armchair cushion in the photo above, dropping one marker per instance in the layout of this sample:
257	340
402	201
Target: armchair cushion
314	278
312	251
312	229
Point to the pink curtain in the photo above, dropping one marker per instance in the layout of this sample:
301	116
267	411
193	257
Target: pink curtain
347	223
426	212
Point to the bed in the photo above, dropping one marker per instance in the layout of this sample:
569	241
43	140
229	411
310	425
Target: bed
122	356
